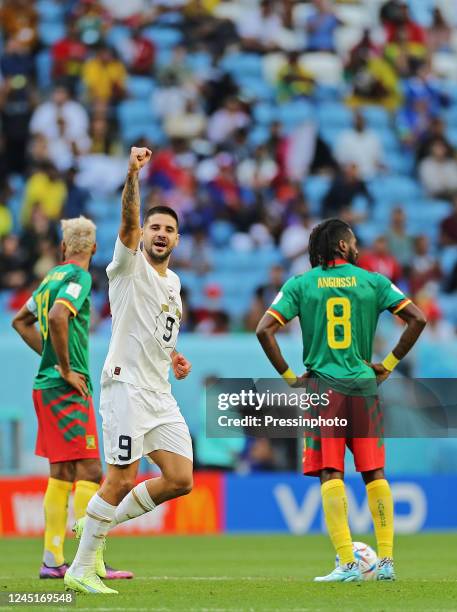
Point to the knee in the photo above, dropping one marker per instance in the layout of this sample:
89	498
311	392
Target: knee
121	486
92	473
373	475
63	471
181	484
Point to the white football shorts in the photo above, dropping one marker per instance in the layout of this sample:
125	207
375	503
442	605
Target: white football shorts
138	421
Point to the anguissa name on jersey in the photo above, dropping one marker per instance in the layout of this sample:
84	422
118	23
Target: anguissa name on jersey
336	281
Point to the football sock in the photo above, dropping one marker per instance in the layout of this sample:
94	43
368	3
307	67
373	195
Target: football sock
335	505
84	490
381	507
55	519
136	503
99	517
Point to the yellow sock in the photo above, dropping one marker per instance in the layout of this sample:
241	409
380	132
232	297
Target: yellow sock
55	519
84	490
335	505
381	507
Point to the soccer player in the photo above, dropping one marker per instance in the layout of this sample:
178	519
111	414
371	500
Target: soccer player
338	305
67	434
140	416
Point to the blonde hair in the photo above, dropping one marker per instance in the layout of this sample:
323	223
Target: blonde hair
78	235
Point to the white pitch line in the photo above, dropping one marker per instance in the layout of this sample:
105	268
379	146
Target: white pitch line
218	578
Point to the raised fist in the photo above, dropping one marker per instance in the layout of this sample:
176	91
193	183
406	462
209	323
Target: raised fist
139	157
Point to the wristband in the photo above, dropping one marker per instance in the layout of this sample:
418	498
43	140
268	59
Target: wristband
390	362
289	376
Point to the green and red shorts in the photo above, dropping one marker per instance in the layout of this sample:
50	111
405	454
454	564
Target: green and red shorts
67	429
326	448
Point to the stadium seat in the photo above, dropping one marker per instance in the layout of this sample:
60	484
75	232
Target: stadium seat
293	113
394	188
327	68
376	117
140	87
50	32
271	66
50	11
334	115
255	88
444	65
117	35
243	65
162	36
258	135
315	188
265	113
44	69
134	111
346	37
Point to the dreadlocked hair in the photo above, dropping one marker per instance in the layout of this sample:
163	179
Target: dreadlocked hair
324	239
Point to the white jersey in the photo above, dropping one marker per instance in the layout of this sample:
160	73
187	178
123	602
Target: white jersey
146	309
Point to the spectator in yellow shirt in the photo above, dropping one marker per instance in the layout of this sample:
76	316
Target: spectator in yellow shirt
46	188
104	77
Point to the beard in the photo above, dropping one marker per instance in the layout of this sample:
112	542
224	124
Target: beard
158	257
352	256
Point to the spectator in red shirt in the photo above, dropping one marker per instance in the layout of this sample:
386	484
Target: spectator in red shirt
378	259
68	55
139	52
414	32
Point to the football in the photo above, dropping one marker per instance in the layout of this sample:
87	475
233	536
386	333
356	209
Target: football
367	559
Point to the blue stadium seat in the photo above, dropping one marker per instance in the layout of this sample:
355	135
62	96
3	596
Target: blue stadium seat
44	69
333	114
265	113
293	113
199	62
258	135
140	87
256	88
315	188
163	36
243	65
394	188
376	117
116	35
133	111
220	233
50	10
50	32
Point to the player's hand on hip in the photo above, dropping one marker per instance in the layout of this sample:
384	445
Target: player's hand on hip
181	366
301	381
381	372
75	380
139	157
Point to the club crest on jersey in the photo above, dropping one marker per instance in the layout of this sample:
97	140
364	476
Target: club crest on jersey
90	443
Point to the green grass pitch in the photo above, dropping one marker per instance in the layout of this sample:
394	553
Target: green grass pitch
232	573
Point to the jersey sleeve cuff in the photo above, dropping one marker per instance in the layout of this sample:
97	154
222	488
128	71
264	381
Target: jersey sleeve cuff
277	315
68	304
396	309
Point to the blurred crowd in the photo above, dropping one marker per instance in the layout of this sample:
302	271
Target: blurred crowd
229	96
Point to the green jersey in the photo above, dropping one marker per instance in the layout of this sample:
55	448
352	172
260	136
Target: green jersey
338	309
70	285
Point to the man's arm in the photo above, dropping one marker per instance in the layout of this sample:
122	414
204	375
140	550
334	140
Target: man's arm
24	324
130	229
415	322
58	328
266	331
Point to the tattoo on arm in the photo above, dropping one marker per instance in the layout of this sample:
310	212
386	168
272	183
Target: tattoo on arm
131	202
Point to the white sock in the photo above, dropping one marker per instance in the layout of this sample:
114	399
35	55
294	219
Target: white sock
136	503
99	519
